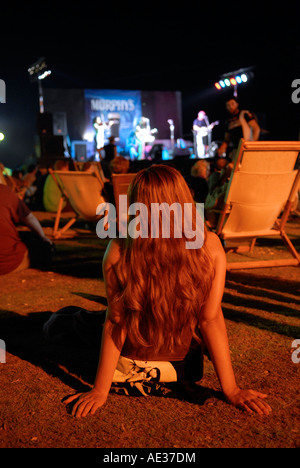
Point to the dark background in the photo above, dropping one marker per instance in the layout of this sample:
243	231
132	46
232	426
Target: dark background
151	46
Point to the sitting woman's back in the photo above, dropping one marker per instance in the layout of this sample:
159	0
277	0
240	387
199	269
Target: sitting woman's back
163	289
161	284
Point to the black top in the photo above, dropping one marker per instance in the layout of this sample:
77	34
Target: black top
234	128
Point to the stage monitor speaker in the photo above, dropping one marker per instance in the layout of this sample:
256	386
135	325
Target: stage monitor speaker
60	123
79	150
45	123
52	147
181	153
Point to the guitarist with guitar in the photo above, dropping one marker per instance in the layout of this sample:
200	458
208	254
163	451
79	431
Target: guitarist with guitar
202	134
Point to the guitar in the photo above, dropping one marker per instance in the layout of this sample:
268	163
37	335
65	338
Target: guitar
146	136
204	131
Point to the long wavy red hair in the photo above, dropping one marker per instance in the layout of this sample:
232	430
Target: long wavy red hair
163	284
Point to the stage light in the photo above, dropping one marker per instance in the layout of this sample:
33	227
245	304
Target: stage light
39	70
1	136
44	75
234	78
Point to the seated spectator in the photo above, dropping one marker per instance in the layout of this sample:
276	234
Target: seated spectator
35	203
118	165
215	199
52	193
30	176
14	253
29	180
214	176
197	180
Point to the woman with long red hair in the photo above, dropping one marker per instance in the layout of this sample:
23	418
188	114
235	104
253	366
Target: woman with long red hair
164	292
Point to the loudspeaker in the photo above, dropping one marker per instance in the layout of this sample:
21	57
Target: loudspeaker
79	150
60	123
52	147
114	122
45	124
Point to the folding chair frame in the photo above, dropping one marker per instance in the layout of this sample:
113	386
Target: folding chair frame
279	226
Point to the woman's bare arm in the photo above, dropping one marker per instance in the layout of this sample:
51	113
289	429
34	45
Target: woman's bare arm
88	403
214	332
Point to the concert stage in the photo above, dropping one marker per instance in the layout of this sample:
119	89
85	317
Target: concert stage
71	113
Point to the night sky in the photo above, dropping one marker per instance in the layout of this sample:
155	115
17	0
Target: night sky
151	46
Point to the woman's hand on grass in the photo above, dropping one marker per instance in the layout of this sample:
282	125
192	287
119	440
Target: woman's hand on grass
249	400
87	403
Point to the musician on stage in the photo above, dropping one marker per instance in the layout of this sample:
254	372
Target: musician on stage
145	135
202	134
99	139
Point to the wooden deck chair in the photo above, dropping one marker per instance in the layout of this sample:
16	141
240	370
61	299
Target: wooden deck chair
263	186
83	191
121	183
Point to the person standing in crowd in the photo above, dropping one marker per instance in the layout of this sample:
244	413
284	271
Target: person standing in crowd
110	149
240	124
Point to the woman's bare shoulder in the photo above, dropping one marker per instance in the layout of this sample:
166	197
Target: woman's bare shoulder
113	252
214	246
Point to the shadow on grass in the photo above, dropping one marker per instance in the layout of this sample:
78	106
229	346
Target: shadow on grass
75	364
258	293
23	336
81	258
277	288
92	297
260	322
84	267
260	304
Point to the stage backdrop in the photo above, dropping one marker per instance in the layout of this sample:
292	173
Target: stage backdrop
120	108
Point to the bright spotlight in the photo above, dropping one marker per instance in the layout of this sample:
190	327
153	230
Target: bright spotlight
238	79
44	75
233	81
244	78
222	84
217	85
89	136
1	136
227	82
